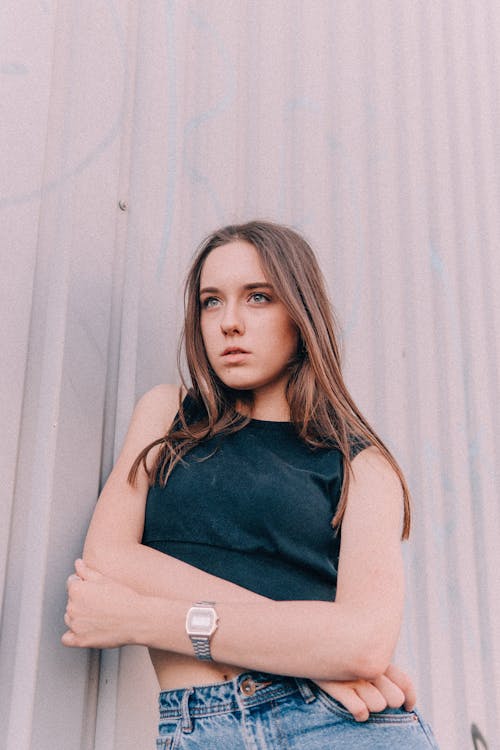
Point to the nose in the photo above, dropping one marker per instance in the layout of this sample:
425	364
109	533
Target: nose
232	321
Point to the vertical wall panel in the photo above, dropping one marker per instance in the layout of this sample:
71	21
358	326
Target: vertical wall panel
369	125
47	691
24	129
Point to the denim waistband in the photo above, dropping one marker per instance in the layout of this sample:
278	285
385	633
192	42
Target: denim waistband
244	691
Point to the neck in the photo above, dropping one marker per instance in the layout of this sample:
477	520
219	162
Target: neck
270	405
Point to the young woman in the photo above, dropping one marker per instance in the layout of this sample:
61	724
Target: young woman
250	531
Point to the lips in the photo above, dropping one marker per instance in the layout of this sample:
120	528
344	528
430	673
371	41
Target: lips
233	350
234	354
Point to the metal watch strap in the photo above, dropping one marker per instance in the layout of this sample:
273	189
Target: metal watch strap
201	646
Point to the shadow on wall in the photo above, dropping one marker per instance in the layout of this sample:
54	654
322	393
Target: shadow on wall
478	741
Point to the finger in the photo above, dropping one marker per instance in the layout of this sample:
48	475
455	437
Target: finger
402	680
86	573
349	699
70	579
393	694
372	697
411	698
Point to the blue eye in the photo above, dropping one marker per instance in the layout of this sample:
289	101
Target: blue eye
260	297
209	302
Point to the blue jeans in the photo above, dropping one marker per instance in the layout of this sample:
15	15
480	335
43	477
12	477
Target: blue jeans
258	711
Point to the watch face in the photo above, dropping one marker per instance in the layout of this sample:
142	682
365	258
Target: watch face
200	621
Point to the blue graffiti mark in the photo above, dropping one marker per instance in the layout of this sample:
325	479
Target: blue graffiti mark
171	125
103	144
14	68
436	261
290	107
443	531
224	101
303	103
332	142
336	150
432	461
472	436
473	440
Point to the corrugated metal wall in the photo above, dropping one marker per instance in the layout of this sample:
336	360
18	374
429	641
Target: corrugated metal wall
129	130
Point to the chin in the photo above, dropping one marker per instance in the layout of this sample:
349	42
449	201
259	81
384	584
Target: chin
238	385
238	381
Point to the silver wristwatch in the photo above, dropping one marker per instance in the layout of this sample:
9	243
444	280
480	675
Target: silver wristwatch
201	624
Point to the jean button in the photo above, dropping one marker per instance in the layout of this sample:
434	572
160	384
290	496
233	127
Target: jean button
248	686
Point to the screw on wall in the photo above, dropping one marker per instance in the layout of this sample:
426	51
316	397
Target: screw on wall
123	205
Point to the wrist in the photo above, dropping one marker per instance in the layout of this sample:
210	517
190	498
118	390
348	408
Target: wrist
160	623
141	620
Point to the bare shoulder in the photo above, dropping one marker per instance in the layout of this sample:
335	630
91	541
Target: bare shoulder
156	410
375	489
370	465
165	396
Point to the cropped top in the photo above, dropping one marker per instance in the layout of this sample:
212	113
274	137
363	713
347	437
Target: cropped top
255	508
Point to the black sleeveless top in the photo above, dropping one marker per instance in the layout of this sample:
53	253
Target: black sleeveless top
255	508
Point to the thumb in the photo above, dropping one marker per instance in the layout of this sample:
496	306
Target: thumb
68	638
86	573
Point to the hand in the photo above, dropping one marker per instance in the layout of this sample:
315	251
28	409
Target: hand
361	697
100	612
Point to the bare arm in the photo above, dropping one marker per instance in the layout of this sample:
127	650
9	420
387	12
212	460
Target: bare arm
350	638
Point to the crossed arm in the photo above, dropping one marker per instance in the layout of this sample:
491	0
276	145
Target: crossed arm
141	595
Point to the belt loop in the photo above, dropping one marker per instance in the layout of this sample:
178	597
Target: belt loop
305	690
186	723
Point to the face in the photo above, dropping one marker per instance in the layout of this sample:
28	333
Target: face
248	335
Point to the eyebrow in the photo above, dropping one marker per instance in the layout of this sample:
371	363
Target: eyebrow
246	287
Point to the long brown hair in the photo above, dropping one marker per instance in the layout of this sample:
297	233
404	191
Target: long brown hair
321	408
